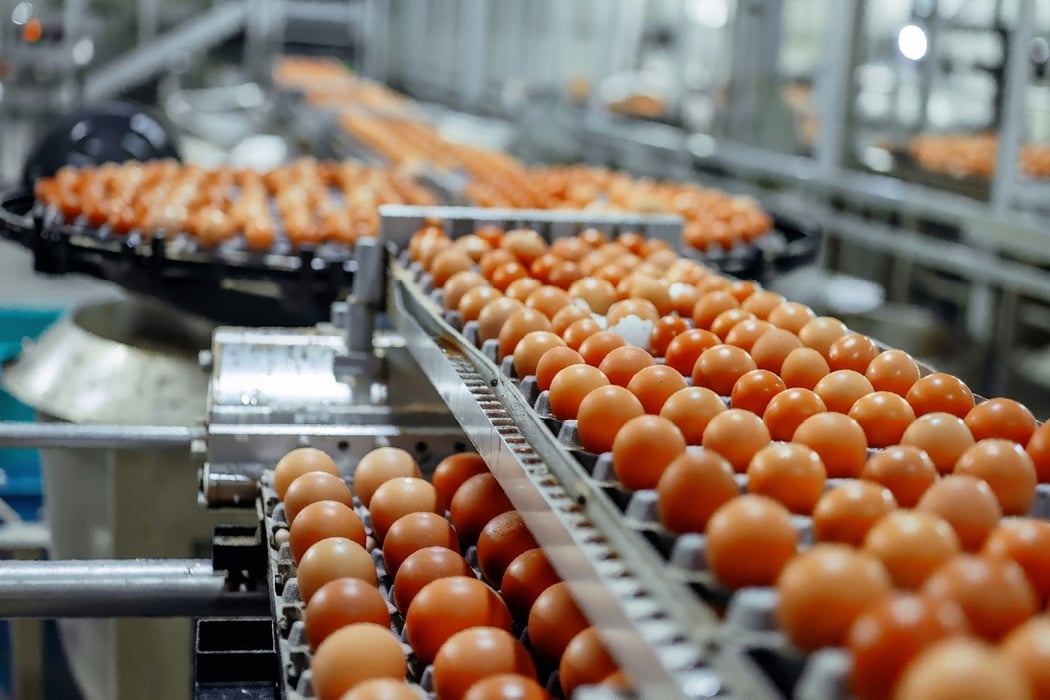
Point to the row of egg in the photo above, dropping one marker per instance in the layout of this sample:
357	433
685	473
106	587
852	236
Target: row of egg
450	618
956	465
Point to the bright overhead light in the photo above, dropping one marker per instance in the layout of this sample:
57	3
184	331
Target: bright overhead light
912	42
22	13
709	13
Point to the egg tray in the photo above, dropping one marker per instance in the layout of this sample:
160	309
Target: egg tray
287	608
748	615
228	284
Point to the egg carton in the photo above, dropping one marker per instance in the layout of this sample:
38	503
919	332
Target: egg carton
288	610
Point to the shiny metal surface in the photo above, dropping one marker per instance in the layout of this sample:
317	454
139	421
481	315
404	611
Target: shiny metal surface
663	636
120	588
117	437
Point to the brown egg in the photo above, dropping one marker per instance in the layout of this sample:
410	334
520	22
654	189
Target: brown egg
838	439
447	606
847	513
691	409
942	436
852	351
599	294
569	315
762	303
474	654
502	539
710	305
642	308
423	566
911	545
525	244
330	559
749	540
554	620
494	315
552	362
621	363
452	471
652	290
342	602
526	577
377	653
476	299
790	315
1007	469
548	300
458	285
961	669
585	662
993	592
477	501
803	368
819	333
823	590
517	326
692	488
968	504
643	448
884	416
506	686
379	466
520	289
737	435
569	388
448	262
384	689
745	334
399	497
893	370
905	470
788	473
728	320
313	487
840	389
1028	649
772	347
473	245
298	462
413	532
323	519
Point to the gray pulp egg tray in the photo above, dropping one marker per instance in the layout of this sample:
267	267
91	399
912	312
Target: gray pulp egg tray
748	622
288	608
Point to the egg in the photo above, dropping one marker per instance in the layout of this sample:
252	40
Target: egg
1038	448
570	386
494	315
905	470
852	351
1027	542
940	393
553	361
718	368
749	540
506	686
840	389
691	409
525	244
452	471
554	620
642	308
642	449
474	300
710	305
518	325
569	315
1001	418
786	411
526	577
596	347
602	415
993	592
790	315
376	653
755	389
736	435
313	487
415	531
654	385
477	501
772	347
692	488
330	559
894	371
884	416
824	590
298	462
342	602
323	519
961	669
449	605
788	473
585	662
847	513
911	545
686	347
520	289
890	633
599	294
1028	649
398	497
745	334
728	320
447	263
821	332
474	654
762	303
423	566
803	368
1006	468
457	286
384	689
379	466
838	439
622	363
548	300
968	504
502	539
942	436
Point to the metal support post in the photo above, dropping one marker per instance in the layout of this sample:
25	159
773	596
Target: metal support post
71	435
834	89
1012	122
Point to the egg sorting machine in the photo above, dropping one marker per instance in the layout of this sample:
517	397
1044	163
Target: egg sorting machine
347	386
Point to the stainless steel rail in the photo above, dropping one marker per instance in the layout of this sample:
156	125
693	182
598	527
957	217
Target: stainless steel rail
16	434
120	588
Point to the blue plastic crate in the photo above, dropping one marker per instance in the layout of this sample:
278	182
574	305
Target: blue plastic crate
20	483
